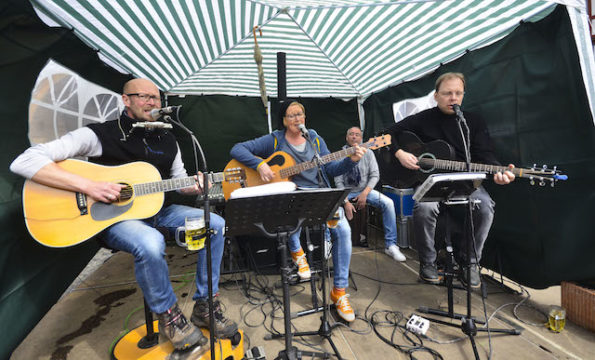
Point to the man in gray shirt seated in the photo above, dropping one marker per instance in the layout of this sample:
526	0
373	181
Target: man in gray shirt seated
363	178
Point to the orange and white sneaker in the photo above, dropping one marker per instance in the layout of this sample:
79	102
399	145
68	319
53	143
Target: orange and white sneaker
341	301
299	258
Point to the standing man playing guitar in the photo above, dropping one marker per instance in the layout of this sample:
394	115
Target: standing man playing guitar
290	140
119	142
440	123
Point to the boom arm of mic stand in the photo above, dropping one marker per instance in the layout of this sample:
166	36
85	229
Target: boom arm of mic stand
207	213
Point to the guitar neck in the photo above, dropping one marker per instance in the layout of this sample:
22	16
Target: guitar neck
173	184
306	165
475	167
163	185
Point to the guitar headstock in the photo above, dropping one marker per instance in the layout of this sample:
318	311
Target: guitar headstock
542	175
234	175
378	142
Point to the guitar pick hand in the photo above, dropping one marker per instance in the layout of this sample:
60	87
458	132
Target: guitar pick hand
266	174
407	159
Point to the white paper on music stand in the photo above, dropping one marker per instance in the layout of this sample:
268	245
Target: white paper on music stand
436	178
281	187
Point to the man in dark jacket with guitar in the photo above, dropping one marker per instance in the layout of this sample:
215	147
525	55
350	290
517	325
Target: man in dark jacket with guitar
134	137
440	123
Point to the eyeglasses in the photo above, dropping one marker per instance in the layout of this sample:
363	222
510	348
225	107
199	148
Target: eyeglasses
451	93
146	97
354	133
295	116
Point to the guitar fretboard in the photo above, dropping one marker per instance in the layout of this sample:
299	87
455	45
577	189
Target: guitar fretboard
163	185
462	166
173	184
296	169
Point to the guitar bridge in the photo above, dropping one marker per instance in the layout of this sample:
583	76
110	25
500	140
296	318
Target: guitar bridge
81	203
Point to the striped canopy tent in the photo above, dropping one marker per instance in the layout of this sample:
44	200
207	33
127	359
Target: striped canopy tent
339	48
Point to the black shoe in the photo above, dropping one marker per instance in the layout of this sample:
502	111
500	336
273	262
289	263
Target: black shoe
224	327
428	272
182	334
475	280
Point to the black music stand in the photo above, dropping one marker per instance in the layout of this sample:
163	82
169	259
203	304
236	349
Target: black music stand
280	216
455	189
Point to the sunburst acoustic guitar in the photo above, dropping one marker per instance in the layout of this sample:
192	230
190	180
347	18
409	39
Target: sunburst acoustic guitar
61	218
284	167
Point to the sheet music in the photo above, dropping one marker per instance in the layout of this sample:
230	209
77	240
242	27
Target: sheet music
434	179
267	189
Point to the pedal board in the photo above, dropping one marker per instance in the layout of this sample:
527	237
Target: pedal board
418	325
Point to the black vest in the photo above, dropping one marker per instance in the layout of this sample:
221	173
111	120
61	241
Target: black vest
157	147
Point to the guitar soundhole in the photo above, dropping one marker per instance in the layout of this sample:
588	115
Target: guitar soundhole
277	160
426	162
126	193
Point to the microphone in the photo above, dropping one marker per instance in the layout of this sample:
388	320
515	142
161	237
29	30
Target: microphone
151	125
304	131
157	113
458	112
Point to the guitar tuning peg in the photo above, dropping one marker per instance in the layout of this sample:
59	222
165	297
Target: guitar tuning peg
541	182
544	167
531	181
534	166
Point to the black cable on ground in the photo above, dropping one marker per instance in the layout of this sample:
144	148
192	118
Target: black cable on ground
393	319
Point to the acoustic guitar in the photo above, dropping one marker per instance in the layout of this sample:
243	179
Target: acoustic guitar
284	167
435	156
61	218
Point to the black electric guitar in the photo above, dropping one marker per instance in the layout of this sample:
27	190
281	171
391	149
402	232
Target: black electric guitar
435	156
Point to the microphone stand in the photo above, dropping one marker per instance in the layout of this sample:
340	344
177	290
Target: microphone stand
465	136
468	323
207	217
317	158
325	329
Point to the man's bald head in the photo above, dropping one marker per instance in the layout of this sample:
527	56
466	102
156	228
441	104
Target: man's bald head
140	96
134	85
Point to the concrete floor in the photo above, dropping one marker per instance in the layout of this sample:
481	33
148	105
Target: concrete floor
88	319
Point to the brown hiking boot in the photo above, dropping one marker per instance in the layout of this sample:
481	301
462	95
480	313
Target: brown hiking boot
182	334
224	327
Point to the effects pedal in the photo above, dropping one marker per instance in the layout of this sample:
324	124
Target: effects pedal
418	325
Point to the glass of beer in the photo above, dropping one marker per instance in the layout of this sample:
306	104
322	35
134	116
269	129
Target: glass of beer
194	234
556	318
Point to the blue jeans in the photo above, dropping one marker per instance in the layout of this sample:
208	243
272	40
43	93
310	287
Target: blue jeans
341	236
425	216
147	245
389	217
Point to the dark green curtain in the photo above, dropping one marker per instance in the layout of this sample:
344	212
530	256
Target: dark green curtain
529	89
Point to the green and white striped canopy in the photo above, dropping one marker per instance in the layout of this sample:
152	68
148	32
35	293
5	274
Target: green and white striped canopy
340	48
